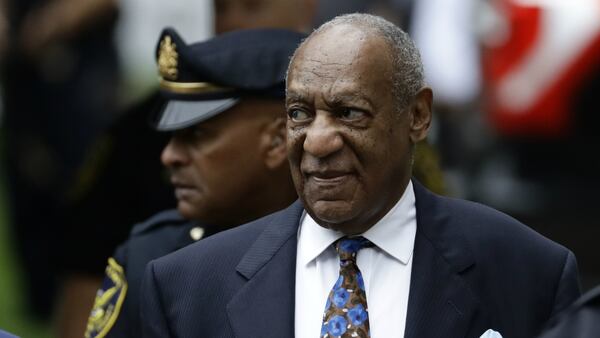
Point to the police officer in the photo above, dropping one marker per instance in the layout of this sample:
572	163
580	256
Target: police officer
226	155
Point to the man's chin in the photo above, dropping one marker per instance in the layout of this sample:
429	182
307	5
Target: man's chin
331	213
187	210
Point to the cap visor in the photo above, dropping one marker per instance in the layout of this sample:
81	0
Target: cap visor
179	114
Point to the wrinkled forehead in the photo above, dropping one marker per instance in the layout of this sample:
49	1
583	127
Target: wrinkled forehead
335	48
339	56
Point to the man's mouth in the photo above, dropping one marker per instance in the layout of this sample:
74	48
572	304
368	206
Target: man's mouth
178	183
182	189
330	177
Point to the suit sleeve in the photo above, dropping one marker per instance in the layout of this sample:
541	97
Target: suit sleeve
152	314
580	320
568	289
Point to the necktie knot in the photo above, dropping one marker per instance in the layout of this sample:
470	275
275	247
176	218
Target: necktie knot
347	247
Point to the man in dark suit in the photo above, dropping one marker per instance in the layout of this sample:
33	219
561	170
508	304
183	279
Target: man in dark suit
366	251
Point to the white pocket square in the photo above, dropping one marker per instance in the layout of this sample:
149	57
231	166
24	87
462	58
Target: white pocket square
491	334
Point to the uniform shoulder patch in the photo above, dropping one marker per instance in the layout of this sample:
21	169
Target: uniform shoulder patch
109	300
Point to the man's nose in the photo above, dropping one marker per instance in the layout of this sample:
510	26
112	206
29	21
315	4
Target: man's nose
174	154
323	137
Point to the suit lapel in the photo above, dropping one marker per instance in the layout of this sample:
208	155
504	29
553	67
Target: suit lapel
440	304
264	306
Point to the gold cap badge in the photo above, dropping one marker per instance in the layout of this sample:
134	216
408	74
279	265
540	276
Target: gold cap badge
167	59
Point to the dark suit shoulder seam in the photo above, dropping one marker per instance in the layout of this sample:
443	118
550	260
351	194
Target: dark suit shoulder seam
558	282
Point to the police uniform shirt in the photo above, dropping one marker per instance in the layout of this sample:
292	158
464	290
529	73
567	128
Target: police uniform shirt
116	308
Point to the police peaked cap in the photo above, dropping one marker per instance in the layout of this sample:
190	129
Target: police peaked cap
203	79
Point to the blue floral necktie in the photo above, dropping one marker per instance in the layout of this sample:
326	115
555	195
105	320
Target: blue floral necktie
346	309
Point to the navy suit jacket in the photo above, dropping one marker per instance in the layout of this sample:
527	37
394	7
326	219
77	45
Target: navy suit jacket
474	269
580	320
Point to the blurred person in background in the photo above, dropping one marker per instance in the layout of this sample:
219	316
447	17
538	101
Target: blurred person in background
122	180
59	75
516	107
541	72
226	155
452	66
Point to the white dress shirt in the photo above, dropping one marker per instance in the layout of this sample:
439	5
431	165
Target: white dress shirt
386	270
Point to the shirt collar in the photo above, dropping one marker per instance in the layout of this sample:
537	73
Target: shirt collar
394	233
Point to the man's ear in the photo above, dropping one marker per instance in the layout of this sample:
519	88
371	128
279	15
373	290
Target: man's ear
273	143
421	115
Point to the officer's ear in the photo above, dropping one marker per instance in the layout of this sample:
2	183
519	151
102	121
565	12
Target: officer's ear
420	115
273	142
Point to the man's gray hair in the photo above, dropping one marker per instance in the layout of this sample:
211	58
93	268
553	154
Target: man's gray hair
407	77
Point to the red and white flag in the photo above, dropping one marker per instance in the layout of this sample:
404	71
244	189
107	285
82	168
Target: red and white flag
534	68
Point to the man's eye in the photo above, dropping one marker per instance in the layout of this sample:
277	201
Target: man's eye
351	114
298	115
192	134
